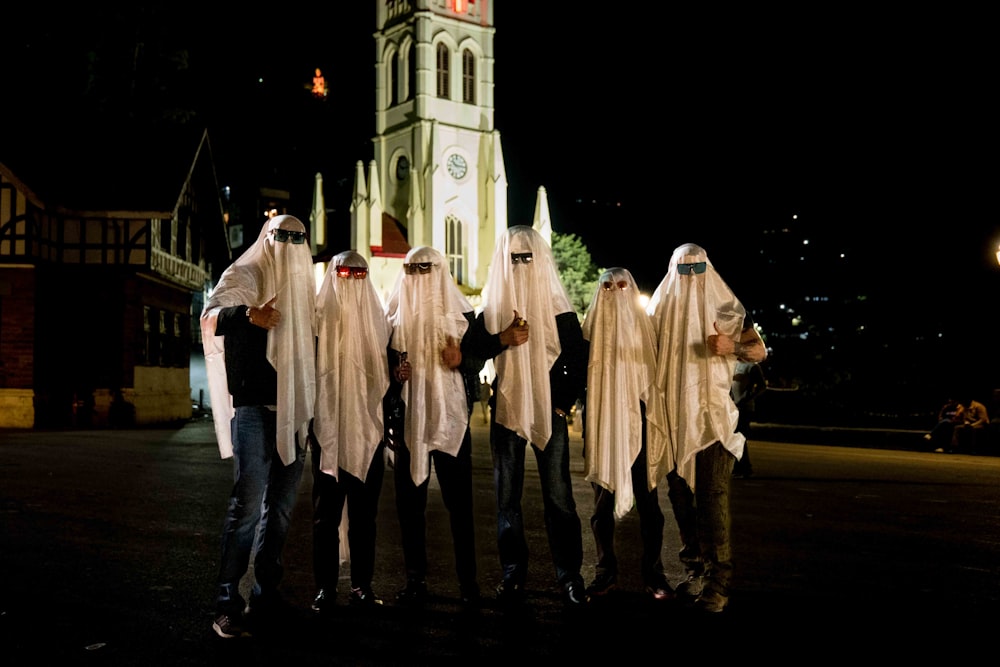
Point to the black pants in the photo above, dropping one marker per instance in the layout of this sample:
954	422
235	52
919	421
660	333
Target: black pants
328	495
454	474
647	504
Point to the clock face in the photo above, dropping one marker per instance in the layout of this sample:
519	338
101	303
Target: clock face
457	166
402	168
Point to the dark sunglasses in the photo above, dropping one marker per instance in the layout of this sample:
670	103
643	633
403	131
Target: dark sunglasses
696	267
419	267
357	272
283	235
608	285
521	257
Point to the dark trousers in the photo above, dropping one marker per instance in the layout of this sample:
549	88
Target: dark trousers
651	521
454	475
328	496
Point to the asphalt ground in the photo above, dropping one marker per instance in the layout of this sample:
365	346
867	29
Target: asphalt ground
110	548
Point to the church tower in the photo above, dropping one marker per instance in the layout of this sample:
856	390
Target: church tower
437	177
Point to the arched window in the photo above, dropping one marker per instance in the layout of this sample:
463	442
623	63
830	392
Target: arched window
468	77
453	248
394	80
443	81
411	73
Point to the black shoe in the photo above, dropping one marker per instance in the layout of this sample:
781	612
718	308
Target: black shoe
364	597
470	594
602	584
323	603
575	593
509	593
414	593
227	627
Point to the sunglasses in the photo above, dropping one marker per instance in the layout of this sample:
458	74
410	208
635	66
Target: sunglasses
418	267
696	267
357	272
284	235
521	257
607	285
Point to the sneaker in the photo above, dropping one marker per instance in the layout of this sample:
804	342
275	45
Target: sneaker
227	626
602	584
711	601
575	593
469	594
660	591
414	593
364	597
509	593
691	587
323	603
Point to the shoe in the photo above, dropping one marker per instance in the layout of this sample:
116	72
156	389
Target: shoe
364	597
323	603
470	594
660	591
509	593
414	593
712	602
576	594
602	584
227	626
691	587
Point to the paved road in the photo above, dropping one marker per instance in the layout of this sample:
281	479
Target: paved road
109	545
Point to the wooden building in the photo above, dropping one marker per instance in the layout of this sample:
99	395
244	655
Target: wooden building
106	249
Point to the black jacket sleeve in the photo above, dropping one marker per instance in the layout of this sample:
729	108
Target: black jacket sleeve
568	376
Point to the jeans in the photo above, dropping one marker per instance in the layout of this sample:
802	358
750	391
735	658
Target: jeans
454	475
647	504
328	496
260	508
562	524
703	518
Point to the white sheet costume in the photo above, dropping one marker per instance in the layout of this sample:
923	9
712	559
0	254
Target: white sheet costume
621	372
425	310
266	270
685	310
352	373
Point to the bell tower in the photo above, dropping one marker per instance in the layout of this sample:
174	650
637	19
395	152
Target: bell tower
437	177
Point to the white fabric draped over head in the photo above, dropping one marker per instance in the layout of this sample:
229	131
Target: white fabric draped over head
533	291
352	373
425	310
266	270
686	309
621	372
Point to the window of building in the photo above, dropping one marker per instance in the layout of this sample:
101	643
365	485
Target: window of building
453	243
411	73
443	80
468	77
394	80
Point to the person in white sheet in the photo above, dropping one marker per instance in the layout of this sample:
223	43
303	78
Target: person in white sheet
260	349
540	358
431	324
701	333
348	462
625	435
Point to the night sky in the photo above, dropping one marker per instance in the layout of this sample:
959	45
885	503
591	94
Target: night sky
648	126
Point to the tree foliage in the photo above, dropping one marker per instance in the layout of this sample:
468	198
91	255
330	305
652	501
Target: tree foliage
576	269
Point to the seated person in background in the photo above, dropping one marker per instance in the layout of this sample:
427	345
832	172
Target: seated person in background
949	416
970	431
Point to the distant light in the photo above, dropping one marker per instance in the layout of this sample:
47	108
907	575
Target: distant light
643	300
